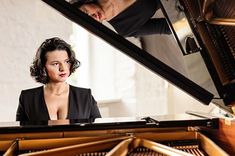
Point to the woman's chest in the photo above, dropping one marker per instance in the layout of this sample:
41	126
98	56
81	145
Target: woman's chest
57	106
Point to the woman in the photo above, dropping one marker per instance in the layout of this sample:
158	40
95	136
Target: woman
54	62
128	17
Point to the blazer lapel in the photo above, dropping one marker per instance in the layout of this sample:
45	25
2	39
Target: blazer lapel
72	110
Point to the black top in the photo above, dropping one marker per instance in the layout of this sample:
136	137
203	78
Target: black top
136	20
32	106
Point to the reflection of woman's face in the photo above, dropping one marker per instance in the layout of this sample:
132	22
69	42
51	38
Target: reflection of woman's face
58	65
93	10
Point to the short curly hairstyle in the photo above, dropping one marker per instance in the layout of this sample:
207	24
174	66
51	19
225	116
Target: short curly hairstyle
37	69
79	3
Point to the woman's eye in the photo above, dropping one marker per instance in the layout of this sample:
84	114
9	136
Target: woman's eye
68	62
55	64
84	10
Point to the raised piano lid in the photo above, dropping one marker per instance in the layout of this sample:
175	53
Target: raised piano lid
201	93
164	121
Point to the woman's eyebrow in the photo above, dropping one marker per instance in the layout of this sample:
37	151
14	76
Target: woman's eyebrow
67	59
54	61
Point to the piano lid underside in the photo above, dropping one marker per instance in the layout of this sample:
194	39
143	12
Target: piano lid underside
214	26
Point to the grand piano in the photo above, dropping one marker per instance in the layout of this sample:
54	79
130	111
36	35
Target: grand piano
210	26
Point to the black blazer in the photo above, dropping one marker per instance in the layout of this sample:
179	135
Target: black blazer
32	106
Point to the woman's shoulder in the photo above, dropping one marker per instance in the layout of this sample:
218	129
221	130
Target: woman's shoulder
32	90
80	89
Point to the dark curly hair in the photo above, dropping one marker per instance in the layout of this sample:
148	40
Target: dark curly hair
37	69
79	3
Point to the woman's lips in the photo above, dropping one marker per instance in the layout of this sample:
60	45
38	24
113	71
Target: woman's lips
99	16
63	75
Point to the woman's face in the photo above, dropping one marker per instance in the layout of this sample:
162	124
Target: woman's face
57	65
93	10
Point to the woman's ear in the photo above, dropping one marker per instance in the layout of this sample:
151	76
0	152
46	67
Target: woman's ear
44	72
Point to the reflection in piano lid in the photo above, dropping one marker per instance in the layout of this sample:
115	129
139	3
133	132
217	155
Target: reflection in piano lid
217	41
211	42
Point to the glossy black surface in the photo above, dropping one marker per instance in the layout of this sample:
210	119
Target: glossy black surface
165	121
131	50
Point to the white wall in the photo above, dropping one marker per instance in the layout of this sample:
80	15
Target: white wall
24	25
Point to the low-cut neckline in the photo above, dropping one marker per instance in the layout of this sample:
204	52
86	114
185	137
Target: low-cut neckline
45	105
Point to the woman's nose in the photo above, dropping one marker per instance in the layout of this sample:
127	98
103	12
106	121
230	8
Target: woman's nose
62	67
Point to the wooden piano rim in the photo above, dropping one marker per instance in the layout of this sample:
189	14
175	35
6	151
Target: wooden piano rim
62	143
74	138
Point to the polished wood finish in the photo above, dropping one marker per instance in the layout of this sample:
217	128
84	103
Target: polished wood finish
109	142
11	151
225	135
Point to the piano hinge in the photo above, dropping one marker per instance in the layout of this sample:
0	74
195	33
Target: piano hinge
193	129
151	121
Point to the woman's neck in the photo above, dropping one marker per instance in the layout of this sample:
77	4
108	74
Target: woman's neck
56	88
